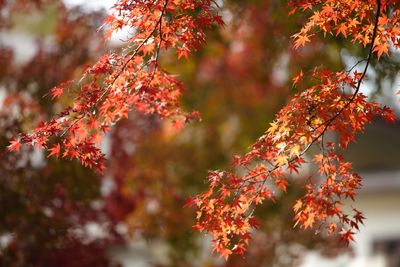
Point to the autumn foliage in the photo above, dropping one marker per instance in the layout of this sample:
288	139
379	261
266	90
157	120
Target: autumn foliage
132	78
118	82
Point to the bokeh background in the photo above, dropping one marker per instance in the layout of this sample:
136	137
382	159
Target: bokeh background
58	213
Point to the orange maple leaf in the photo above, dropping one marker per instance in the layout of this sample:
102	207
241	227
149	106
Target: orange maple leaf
301	40
298	205
382	48
298	78
282	183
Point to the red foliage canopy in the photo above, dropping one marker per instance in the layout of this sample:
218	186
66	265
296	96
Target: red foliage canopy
133	79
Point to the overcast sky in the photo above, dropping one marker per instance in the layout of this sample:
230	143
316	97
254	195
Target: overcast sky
100	4
96	4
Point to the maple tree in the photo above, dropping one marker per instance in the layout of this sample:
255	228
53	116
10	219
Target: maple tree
130	79
133	79
333	104
47	204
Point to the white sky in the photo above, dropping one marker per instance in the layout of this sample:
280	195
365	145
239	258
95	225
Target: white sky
117	37
92	4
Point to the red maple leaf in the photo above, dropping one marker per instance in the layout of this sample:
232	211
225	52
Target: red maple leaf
55	151
14	145
56	92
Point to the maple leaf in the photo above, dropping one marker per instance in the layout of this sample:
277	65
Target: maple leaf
15	145
382	48
178	125
358	217
239	249
281	160
225	253
347	236
282	183
298	205
274	126
148	48
332	228
309	221
342	28
254	222
318	158
292	11
295	150
301	40
191	202
56	92
298	78
388	115
55	151
183	52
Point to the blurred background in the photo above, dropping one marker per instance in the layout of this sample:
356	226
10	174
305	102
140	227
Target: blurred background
58	213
